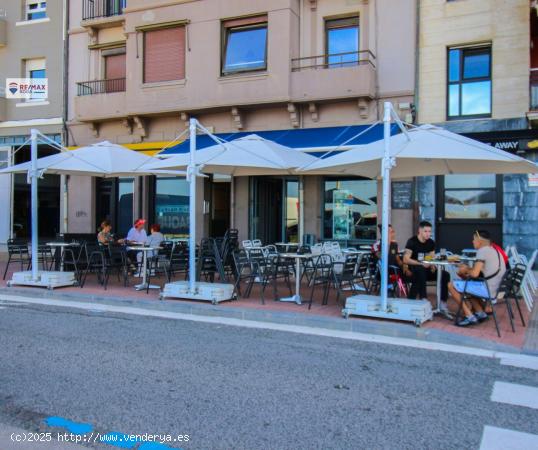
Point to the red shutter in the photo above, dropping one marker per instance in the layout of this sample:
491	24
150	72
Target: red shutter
115	67
232	23
164	55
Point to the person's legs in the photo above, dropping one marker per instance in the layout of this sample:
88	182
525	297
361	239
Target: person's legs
418	285
458	298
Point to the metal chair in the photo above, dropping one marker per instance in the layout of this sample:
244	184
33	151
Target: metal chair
17	253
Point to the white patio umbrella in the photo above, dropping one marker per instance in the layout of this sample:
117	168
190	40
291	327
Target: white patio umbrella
247	156
99	160
425	150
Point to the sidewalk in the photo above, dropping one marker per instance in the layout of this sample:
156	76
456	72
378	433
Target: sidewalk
319	316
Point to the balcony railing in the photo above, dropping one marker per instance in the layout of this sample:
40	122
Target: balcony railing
101	87
95	9
333	61
533	86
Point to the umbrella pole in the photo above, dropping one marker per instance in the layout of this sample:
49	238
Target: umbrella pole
34	199
191	171
385	215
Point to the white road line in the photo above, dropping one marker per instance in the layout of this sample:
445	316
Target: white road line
351	335
523	361
495	438
515	394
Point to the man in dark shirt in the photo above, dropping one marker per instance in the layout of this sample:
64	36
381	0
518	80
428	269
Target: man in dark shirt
416	250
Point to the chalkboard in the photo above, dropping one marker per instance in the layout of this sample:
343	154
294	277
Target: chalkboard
402	195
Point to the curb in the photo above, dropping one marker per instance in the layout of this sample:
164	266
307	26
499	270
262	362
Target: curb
356	325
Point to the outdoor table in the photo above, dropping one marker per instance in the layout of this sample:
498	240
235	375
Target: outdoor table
441	265
145	251
287	245
60	246
298	256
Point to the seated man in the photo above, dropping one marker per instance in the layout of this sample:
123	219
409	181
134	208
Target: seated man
422	244
489	265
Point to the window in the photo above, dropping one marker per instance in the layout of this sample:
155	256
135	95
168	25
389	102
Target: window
36	68
342	42
469	82
470	197
35	9
172	205
350	209
115	70
245	45
164	55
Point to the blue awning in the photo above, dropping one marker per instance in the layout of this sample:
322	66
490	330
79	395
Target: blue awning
304	138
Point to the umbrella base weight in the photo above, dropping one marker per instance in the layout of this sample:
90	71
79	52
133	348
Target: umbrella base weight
416	311
209	292
45	279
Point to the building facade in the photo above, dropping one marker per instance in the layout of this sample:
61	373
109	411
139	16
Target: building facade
31	46
477	64
138	70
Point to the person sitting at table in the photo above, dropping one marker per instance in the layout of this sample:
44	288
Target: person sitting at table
422	244
105	235
156	238
490	266
136	236
394	256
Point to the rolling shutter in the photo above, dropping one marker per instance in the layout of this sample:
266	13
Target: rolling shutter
164	55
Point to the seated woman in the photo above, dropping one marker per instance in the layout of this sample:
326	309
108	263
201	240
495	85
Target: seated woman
105	235
491	267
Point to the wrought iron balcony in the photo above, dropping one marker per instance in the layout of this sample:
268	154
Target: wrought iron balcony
333	61
100	87
95	9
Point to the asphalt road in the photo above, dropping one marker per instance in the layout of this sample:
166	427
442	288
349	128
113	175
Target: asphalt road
238	388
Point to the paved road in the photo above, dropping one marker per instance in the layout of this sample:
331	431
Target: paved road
230	387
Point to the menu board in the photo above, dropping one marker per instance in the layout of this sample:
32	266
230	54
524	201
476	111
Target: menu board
402	195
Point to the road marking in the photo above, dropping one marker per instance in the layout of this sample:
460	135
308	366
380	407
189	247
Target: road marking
495	438
515	394
523	361
350	335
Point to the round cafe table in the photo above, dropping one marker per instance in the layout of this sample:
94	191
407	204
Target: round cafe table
296	298
60	246
145	251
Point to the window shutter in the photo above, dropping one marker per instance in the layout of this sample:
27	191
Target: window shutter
232	23
164	55
115	67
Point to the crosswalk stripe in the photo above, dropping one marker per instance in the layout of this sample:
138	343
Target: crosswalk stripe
495	438
523	361
515	394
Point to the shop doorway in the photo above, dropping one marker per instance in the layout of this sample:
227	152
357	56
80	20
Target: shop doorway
219	219
274	209
466	203
48	199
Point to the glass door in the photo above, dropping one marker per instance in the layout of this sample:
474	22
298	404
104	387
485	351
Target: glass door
291	211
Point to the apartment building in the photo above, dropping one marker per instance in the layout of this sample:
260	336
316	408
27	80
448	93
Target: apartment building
477	67
31	46
138	70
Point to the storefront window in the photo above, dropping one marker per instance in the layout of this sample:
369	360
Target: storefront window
350	209
125	205
172	206
470	197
